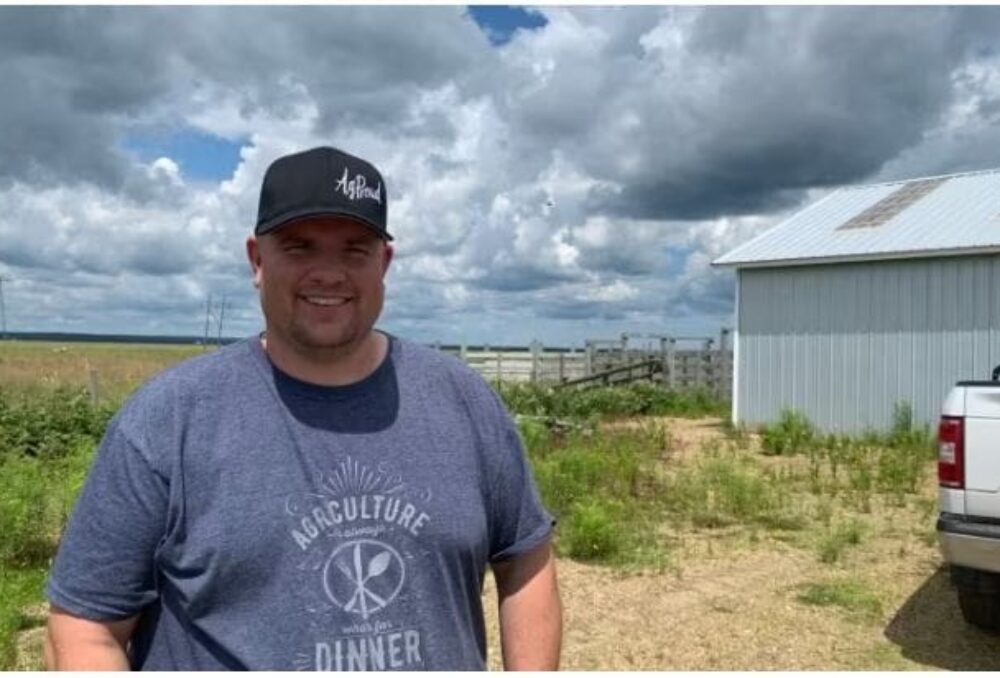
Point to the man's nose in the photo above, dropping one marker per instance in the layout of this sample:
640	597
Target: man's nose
329	267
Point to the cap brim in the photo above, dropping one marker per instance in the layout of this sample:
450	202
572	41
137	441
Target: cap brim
282	220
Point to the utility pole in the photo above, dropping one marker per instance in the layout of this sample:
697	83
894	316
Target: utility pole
208	316
3	311
222	314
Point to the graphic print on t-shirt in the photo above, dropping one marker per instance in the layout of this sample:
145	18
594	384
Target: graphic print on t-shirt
363	576
353	535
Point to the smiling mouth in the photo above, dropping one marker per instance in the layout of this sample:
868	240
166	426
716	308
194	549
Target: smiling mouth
325	301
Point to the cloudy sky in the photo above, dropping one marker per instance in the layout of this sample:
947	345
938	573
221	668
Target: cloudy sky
554	173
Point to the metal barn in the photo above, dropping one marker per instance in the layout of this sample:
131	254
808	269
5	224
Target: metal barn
872	296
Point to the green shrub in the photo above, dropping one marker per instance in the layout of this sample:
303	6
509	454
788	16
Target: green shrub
50	424
47	439
535	434
606	491
593	530
620	464
793	434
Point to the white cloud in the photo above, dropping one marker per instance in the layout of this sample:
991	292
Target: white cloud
619	290
577	181
165	169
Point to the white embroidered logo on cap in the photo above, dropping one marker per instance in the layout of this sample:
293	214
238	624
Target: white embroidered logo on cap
357	188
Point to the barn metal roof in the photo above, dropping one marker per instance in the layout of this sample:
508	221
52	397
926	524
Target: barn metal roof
935	216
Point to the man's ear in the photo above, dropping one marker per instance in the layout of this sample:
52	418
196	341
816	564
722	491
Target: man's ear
387	253
253	256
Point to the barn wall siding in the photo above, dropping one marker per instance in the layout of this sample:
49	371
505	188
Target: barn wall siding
843	343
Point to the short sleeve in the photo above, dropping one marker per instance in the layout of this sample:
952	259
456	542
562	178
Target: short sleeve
519	521
104	568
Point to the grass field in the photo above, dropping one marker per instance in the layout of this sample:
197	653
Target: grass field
683	543
108	372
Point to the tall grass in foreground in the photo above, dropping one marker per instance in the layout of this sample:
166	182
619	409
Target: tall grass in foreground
46	445
615	490
606	490
893	463
49	424
724	487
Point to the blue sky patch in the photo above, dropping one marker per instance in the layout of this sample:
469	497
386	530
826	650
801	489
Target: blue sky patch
501	22
201	156
677	260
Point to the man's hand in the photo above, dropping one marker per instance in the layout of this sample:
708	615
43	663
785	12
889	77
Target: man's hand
77	644
530	611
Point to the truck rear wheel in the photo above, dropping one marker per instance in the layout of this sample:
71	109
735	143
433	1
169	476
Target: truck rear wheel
978	597
980	609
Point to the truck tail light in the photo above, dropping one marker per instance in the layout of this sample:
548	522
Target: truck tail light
951	452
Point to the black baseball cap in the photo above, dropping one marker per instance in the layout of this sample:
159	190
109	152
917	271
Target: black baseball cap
322	181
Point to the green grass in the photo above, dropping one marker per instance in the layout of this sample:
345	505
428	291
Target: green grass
36	497
107	371
608	402
49	424
593	530
606	491
834	542
727	488
793	434
889	466
19	587
851	595
47	446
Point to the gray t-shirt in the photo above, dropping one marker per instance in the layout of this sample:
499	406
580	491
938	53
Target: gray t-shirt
257	521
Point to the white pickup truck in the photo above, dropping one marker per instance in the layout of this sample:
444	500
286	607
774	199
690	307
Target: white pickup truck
969	497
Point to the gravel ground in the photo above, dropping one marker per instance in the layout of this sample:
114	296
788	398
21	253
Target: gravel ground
740	612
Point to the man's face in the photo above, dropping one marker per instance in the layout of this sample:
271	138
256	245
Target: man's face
321	283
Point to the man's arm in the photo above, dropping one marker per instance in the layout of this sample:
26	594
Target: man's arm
530	611
76	644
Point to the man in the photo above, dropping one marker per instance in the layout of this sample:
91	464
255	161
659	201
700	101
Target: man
321	497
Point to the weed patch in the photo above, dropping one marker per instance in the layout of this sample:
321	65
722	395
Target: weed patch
50	424
793	434
606	490
835	542
725	489
593	530
608	402
36	497
851	595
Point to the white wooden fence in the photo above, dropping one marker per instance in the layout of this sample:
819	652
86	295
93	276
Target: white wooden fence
687	362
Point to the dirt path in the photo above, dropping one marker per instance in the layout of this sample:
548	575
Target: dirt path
741	613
